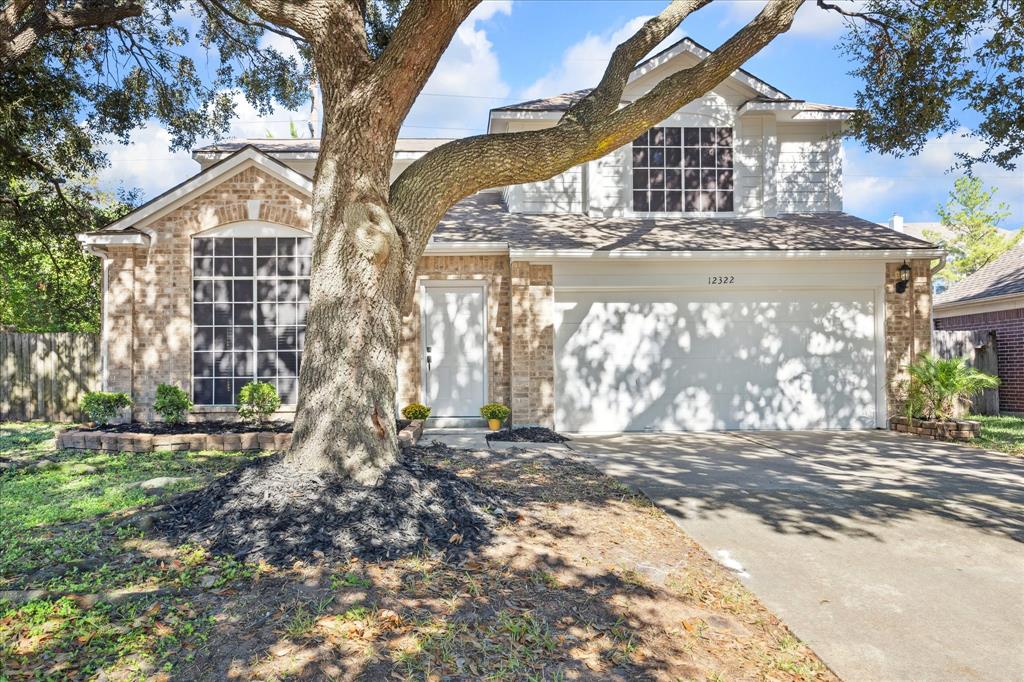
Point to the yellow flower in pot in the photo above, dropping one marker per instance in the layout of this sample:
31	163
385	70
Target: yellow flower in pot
495	414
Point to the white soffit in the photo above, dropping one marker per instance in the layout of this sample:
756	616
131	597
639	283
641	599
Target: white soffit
585	254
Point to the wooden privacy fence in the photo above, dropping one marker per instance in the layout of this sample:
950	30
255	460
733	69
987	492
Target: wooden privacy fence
43	376
979	349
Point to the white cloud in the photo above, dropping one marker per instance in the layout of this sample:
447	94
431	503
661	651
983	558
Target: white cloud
877	186
146	163
582	63
811	21
249	122
465	85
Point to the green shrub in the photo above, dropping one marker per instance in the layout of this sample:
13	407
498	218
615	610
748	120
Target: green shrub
937	385
495	411
257	401
102	406
172	403
415	411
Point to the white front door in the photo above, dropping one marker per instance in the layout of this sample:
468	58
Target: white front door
454	342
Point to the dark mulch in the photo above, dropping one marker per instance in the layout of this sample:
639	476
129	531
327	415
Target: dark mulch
527	434
267	511
210	427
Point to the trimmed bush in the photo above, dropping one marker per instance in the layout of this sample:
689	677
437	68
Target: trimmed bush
415	411
257	401
172	403
495	411
102	406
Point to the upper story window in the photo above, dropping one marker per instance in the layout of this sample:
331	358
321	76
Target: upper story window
683	169
249	301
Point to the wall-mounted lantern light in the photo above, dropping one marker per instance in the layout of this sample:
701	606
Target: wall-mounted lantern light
904	278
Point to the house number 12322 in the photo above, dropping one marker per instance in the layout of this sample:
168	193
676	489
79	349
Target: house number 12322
722	279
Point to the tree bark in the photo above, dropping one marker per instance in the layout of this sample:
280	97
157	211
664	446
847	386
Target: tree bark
345	415
369	237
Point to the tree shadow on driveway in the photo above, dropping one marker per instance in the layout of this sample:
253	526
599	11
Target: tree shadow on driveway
824	484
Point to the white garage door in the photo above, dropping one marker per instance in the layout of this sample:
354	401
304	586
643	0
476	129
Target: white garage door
666	360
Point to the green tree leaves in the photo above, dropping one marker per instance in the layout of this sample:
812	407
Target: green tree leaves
971	219
921	62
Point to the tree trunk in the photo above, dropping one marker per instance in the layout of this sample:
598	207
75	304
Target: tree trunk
345	415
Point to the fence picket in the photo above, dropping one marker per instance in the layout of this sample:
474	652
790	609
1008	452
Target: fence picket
43	376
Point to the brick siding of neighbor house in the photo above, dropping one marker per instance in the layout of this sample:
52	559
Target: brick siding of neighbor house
150	288
907	325
492	271
1009	328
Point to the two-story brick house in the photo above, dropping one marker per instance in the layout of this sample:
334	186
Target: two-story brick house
702	277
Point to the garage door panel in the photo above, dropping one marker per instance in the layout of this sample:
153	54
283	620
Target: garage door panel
662	360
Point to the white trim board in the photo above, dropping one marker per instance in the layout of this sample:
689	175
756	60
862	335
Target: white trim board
247	157
992	304
549	255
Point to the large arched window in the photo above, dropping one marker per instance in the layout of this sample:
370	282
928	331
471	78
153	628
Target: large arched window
250	294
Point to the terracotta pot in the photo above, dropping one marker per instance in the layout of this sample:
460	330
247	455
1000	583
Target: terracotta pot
495	424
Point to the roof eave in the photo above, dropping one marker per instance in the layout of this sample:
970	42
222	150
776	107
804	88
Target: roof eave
975	302
747	254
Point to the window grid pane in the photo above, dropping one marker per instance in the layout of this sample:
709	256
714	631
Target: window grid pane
249	303
683	169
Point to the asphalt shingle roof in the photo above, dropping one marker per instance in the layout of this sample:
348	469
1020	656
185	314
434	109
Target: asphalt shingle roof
483	217
557	103
1001	277
311	145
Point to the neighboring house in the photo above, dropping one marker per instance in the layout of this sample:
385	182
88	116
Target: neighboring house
702	277
992	299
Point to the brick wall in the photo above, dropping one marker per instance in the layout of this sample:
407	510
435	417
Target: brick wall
1009	328
156	346
907	324
533	342
492	270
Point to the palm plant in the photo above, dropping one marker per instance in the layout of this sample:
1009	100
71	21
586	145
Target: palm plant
943	383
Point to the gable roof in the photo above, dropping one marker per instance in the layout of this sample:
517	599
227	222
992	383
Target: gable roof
565	100
238	161
1002	277
483	217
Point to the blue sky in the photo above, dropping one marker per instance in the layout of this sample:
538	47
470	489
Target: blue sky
511	50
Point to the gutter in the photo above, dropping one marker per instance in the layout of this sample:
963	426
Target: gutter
751	254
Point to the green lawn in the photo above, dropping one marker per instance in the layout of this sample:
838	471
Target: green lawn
1005	434
61	534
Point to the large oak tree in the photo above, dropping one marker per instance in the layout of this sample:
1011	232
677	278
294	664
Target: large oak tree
373	57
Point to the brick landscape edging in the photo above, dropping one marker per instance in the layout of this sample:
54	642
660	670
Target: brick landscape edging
411	434
268	441
952	430
148	442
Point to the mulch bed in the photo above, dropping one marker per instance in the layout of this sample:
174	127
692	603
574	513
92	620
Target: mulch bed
267	511
209	427
527	434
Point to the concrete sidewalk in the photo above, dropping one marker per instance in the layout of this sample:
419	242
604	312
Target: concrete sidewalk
894	558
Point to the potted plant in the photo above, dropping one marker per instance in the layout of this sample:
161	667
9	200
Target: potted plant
495	414
414	411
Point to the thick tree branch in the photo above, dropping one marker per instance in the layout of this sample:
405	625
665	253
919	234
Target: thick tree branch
422	194
423	33
305	17
604	99
248	22
23	23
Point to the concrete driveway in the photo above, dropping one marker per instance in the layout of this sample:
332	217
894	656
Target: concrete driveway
894	558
